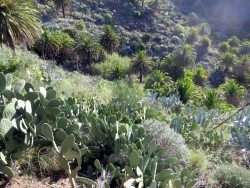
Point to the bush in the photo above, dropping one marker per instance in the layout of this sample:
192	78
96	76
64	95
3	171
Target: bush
71	32
146	37
204	29
108	17
192	36
80	26
223	47
193	19
137	14
113	67
217	77
223	173
172	142
234	41
245	47
178	29
205	42
138	46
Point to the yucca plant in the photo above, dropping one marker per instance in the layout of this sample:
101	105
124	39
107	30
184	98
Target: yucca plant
19	21
109	39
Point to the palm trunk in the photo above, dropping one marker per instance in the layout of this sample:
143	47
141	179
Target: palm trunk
140	76
63	10
142	4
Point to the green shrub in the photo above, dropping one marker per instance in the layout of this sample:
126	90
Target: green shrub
224	47
108	17
192	36
204	29
193	19
205	42
112	67
172	142
138	46
137	14
71	32
80	26
224	172
234	41
178	29
146	37
245	47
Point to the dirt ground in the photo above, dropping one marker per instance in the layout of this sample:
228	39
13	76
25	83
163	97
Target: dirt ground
34	182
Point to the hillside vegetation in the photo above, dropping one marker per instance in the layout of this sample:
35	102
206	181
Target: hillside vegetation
149	93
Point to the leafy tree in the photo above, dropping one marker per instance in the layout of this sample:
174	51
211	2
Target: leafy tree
205	42
61	4
228	60
184	56
233	92
19	21
140	63
109	39
88	50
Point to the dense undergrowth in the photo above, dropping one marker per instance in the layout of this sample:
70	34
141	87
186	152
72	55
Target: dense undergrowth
147	95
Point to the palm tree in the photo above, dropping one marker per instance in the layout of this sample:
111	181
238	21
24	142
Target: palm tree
62	4
88	50
159	82
211	99
19	21
184	56
140	63
200	76
48	45
109	39
228	60
233	92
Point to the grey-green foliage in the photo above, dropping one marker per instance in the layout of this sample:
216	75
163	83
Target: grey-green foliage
172	142
224	175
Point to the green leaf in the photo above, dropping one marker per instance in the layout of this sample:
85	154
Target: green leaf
134	158
163	175
177	184
86	180
2	82
171	160
112	120
98	165
9	172
191	184
47	131
67	144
